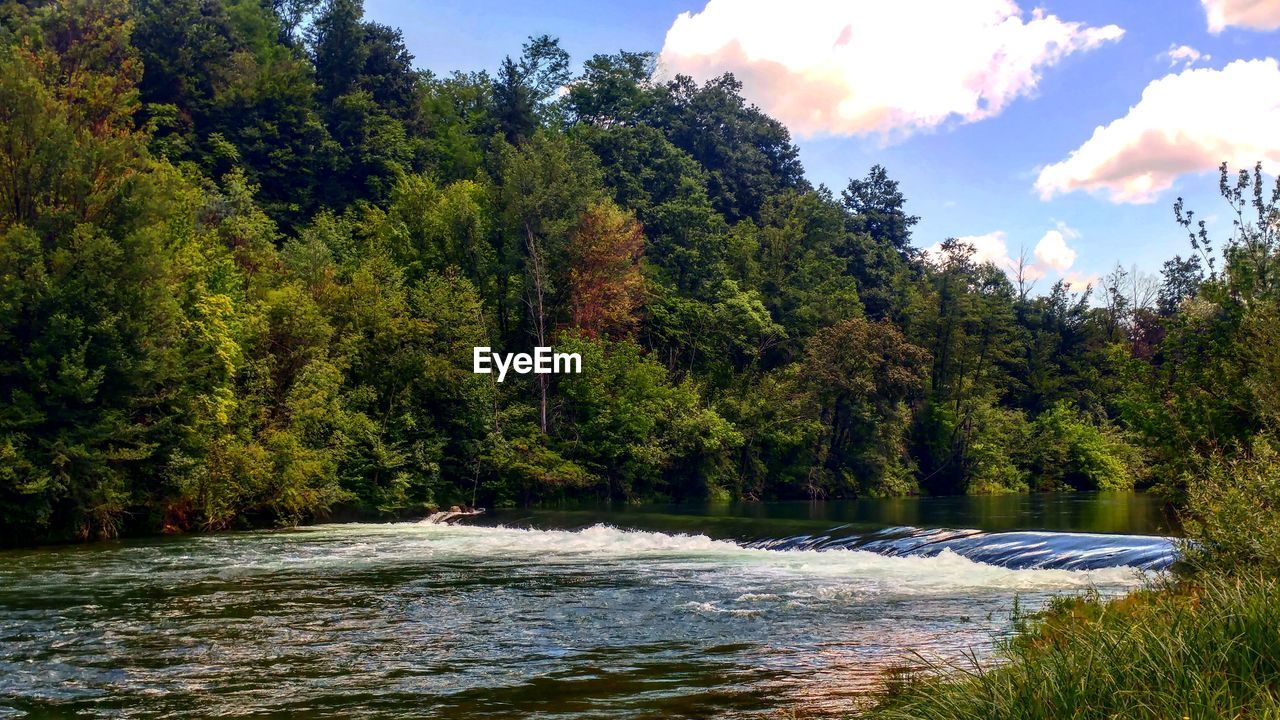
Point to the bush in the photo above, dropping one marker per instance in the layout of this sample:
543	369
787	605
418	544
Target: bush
1067	451
999	439
1232	518
629	423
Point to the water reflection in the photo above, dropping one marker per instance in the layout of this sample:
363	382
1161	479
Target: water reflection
1098	512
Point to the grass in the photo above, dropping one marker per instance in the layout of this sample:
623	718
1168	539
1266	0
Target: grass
1193	649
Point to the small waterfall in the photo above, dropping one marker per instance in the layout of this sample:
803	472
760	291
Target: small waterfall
1016	550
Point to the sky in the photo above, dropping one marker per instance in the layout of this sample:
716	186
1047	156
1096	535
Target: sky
1062	130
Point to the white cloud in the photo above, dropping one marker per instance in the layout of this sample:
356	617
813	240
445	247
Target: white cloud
1185	123
1052	255
990	247
1052	250
1184	55
890	68
1252	14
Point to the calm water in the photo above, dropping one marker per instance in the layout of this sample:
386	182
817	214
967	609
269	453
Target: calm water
554	614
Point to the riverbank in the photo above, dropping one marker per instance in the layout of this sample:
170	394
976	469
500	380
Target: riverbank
1202	643
1203	648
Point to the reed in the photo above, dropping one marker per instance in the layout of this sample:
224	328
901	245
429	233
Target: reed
1208	648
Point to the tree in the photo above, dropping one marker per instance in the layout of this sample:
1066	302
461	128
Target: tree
637	430
418	413
427	228
388	75
1116	307
291	13
241	275
1212	383
1067	451
613	90
221	89
375	153
801	277
782	431
545	186
606	282
523	89
338	48
748	156
544	65
188	50
513	102
115	347
967	320
1182	280
864	373
454	123
877	248
876	208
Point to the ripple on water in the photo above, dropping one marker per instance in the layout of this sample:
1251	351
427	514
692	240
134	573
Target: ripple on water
475	622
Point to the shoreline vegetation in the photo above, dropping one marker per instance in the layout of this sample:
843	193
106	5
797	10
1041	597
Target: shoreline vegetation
1203	648
1201	641
247	250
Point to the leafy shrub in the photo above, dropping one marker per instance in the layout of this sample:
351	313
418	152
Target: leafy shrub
1232	518
1067	451
999	440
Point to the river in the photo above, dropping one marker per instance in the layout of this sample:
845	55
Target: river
679	611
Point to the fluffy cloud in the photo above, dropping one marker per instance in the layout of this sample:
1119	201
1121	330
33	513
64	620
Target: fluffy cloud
1184	55
892	68
1253	14
990	248
1185	123
1079	282
1053	255
1052	250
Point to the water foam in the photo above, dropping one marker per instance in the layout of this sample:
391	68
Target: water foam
943	572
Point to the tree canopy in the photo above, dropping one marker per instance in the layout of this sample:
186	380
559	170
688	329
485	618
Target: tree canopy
247	248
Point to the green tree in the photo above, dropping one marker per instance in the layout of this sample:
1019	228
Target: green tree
877	208
864	375
338	49
642	434
114	346
545	187
613	90
748	156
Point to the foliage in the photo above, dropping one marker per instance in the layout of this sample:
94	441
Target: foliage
1233	514
1068	451
864	374
247	249
605	279
634	428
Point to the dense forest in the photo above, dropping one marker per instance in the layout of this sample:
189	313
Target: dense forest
246	249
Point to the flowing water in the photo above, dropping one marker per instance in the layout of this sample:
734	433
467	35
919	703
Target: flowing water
748	611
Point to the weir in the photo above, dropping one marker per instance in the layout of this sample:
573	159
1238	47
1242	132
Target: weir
1016	550
1063	531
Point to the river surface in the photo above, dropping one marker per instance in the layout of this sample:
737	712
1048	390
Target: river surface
725	611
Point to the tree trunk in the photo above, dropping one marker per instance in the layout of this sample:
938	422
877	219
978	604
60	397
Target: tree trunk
537	307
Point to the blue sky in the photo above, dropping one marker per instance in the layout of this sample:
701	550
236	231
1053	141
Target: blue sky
964	176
